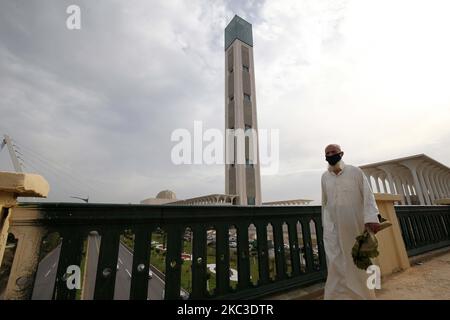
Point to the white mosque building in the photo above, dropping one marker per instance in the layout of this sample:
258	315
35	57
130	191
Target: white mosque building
419	179
242	180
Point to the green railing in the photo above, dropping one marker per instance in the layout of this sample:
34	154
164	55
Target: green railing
271	248
424	228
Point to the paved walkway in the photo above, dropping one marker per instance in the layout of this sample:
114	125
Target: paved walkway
427	280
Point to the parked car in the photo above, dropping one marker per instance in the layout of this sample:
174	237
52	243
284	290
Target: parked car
150	273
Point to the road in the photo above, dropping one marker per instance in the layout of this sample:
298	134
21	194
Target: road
46	274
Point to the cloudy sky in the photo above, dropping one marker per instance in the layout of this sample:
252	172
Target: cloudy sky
93	109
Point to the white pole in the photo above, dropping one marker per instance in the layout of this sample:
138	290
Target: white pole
12	153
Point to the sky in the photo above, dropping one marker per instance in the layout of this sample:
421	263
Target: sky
92	110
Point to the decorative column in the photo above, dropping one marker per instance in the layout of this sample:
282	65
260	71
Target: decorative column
389	176
377	183
13	185
391	171
448	182
433	174
367	173
404	180
411	186
383	180
399	187
426	175
426	195
440	182
445	180
412	166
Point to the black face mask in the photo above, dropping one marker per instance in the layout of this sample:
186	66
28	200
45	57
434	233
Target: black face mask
332	160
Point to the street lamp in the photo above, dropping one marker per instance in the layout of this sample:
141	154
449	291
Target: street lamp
84	199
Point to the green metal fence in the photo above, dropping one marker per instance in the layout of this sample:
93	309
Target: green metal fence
282	247
424	228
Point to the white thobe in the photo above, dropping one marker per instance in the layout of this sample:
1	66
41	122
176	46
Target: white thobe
347	204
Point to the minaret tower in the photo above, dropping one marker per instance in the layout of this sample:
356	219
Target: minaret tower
241	177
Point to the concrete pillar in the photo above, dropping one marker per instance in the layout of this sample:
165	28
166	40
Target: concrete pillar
399	188
434	174
425	191
444	183
410	183
441	183
426	176
26	259
377	182
386	170
367	173
383	180
413	189
445	180
13	185
430	172
447	183
392	173
412	165
404	181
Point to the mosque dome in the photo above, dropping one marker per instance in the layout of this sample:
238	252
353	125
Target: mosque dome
166	194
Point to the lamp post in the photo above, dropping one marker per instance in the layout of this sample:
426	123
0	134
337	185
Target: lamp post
84	199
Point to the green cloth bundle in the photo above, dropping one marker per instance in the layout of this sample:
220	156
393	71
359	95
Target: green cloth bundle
366	247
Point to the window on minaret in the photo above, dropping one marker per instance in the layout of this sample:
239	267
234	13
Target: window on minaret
245	68
247	97
231	98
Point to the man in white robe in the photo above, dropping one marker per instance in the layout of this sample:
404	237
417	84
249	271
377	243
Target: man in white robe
348	207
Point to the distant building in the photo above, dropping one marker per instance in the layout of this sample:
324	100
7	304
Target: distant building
420	179
163	197
242	180
216	199
169	197
294	202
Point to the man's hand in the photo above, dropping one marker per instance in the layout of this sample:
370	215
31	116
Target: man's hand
374	227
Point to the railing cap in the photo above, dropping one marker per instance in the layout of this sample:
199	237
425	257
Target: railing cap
24	184
442	201
387	197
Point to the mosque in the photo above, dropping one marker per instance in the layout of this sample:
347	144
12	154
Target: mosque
419	179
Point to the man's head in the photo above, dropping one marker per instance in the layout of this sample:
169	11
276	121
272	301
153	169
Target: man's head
333	154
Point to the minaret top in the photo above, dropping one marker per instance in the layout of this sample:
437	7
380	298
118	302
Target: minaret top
240	29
